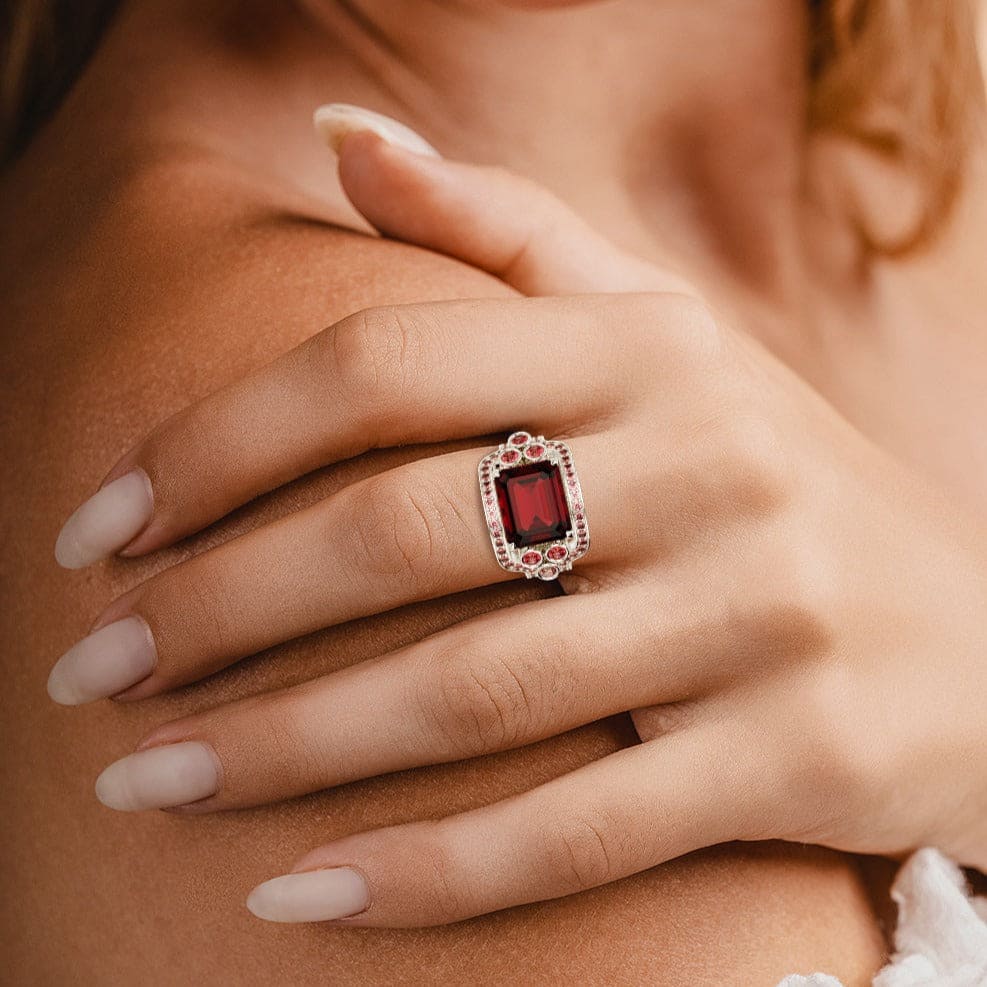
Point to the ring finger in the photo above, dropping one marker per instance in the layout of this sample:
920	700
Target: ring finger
412	533
386	377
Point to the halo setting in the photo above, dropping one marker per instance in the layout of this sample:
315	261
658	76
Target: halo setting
533	506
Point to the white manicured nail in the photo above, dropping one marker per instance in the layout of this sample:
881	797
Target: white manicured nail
106	662
105	523
160	778
337	120
312	896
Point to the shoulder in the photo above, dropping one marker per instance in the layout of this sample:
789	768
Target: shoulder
200	255
154	287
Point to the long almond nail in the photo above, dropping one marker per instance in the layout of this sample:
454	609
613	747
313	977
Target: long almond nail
105	523
160	778
337	120
313	896
106	662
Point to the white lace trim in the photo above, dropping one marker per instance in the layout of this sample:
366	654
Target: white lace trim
941	939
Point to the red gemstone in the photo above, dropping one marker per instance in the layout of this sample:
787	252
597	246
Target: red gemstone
548	572
534	451
532	504
510	456
531	558
519	439
557	553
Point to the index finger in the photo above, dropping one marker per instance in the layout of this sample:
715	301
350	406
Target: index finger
383	377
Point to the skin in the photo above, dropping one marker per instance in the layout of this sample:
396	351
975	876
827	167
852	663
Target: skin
787	672
171	205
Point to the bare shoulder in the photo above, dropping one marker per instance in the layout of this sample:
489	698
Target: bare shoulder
204	251
160	284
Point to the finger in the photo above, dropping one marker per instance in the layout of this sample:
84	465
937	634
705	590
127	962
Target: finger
615	817
392	376
491	219
489	684
416	532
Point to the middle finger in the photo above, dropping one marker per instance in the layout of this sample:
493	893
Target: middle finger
496	682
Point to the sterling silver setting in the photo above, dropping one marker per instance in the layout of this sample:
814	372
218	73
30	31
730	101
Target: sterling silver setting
540	560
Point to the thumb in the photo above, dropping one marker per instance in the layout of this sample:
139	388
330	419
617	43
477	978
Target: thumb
487	217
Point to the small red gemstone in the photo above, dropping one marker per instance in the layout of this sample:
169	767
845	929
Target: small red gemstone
510	456
519	439
548	572
557	553
532	504
534	451
531	558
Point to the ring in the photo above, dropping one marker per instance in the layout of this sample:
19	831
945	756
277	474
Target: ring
534	506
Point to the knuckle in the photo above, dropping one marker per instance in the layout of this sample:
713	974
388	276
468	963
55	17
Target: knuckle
755	461
738	467
476	705
304	757
837	761
442	862
211	612
686	327
791	619
586	851
374	357
804	584
396	529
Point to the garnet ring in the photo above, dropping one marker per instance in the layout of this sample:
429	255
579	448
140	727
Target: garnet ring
534	506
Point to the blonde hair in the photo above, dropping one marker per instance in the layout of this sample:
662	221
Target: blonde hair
899	78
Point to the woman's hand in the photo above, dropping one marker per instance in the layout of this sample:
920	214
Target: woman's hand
799	619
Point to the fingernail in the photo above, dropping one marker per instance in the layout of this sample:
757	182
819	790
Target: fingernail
337	120
106	662
105	523
160	778
313	896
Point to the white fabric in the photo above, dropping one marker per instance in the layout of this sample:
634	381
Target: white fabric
941	939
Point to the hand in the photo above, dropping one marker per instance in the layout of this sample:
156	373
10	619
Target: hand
802	615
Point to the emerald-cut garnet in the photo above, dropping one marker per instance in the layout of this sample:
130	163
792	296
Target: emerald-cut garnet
532	504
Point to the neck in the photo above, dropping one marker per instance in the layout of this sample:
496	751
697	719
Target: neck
675	127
